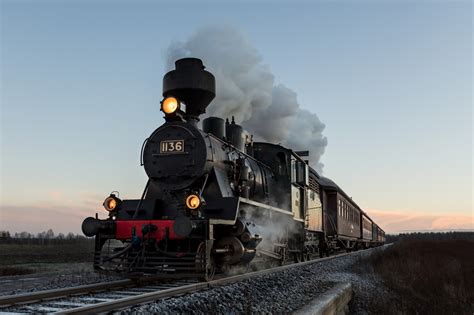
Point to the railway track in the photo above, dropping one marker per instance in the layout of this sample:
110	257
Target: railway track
121	294
67	300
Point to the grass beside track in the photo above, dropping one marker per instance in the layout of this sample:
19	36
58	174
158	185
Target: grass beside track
428	277
17	258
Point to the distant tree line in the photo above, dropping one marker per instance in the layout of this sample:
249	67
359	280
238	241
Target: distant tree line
391	238
45	237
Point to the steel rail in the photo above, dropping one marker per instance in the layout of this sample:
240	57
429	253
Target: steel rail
153	296
31	297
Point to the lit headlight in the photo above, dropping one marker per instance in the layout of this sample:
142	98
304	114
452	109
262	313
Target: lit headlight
111	203
170	105
193	201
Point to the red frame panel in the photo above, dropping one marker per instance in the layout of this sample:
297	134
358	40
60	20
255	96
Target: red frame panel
123	229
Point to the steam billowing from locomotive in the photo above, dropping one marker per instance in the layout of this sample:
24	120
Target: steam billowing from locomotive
246	89
215	200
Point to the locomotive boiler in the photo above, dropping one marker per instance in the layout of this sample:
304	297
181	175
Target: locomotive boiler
214	199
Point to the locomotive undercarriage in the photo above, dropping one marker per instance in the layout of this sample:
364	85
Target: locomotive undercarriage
161	259
216	249
283	238
288	250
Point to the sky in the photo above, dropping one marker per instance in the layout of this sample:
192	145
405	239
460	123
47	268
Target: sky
390	80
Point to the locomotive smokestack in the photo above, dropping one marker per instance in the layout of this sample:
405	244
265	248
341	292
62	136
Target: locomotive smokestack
190	84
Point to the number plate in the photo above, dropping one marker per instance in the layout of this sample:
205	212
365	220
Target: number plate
172	146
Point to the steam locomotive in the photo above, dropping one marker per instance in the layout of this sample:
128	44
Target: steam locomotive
215	199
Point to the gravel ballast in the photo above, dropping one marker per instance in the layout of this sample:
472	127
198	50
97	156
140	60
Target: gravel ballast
75	275
279	292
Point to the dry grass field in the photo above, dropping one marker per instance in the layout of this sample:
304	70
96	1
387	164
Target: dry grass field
28	256
427	277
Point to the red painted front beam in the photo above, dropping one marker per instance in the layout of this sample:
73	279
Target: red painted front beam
123	229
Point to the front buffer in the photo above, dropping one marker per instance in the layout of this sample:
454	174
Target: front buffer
159	248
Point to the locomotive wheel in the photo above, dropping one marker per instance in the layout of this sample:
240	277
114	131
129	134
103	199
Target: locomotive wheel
210	269
281	249
305	255
283	259
298	257
235	247
283	252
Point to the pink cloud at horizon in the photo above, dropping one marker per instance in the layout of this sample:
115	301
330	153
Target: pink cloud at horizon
34	219
61	213
397	222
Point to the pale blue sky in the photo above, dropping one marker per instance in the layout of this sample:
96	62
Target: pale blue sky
392	81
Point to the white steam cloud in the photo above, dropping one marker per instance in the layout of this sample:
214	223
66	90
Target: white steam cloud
246	89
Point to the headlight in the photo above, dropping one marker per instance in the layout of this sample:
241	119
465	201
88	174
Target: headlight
170	105
111	203
193	201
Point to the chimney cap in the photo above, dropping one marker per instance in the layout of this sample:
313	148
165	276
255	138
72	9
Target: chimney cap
190	84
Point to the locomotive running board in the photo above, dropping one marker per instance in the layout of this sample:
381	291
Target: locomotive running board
262	205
